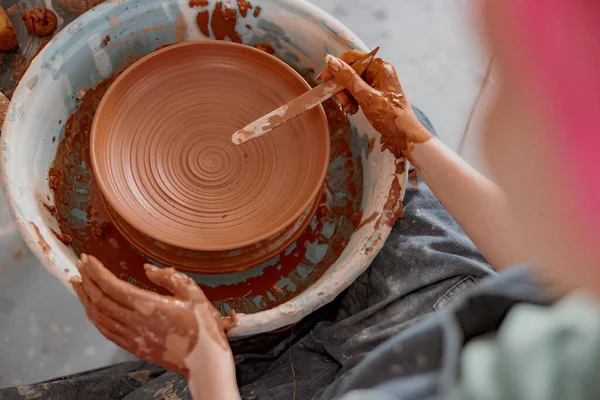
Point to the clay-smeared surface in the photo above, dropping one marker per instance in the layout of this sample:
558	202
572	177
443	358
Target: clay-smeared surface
163	157
223	21
244	6
198	3
202	20
266	47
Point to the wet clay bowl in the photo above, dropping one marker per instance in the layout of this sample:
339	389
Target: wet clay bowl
162	156
299	33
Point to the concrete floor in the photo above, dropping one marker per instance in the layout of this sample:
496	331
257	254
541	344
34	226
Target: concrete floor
43	330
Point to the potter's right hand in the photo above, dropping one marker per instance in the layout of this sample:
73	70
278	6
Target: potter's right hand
183	333
381	97
161	329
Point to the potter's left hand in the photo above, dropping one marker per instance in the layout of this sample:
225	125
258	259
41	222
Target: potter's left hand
179	332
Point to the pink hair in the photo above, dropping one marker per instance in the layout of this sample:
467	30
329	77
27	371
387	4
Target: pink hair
554	50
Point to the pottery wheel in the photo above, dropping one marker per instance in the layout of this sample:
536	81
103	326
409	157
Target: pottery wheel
163	158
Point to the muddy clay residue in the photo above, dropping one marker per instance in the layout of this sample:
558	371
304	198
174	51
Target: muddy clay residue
223	19
41	241
82	217
63	237
267	48
202	20
244	6
198	3
368	220
40	21
51	210
18	254
371	144
223	22
394	208
413	179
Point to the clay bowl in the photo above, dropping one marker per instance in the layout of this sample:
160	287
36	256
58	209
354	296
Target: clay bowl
162	155
211	262
77	59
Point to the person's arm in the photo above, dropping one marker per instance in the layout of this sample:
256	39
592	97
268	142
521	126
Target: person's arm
477	204
183	333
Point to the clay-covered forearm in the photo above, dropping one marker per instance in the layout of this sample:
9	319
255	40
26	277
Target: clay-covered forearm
477	204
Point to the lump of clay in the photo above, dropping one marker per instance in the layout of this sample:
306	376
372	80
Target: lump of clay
40	21
78	7
8	37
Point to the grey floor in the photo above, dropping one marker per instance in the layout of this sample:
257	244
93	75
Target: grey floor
435	48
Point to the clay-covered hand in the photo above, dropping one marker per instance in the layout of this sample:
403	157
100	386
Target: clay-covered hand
381	97
160	329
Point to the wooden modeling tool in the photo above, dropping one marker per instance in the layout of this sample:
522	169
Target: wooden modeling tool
298	106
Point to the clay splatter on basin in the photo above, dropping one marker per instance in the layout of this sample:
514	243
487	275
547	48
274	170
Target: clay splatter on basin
79	211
